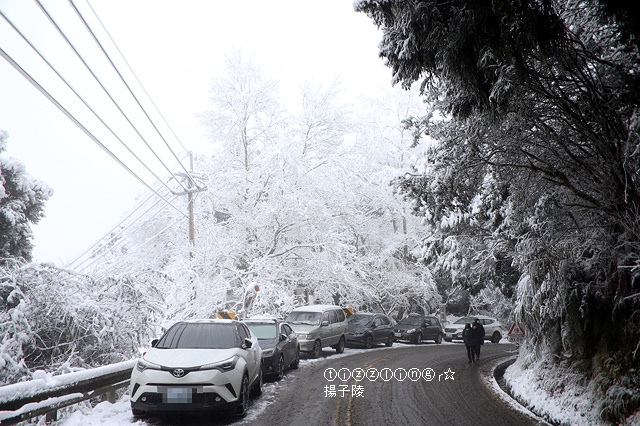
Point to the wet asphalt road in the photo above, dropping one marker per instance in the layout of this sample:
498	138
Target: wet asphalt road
404	385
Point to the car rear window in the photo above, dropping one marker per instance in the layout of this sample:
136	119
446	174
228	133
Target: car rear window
360	319
200	336
264	331
411	321
465	320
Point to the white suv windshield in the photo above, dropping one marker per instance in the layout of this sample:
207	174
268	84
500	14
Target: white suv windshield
200	336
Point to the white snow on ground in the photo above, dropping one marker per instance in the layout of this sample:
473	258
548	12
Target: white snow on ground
106	414
551	394
493	384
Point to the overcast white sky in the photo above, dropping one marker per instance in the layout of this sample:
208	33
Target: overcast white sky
175	49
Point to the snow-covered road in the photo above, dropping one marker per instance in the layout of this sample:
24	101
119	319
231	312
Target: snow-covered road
119	413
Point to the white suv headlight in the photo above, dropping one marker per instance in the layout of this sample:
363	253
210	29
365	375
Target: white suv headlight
146	365
226	365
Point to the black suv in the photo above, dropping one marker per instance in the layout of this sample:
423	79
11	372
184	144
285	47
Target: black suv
416	328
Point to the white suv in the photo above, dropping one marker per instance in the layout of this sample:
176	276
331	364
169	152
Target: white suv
493	329
198	365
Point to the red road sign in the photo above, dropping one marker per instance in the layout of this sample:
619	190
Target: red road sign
516	330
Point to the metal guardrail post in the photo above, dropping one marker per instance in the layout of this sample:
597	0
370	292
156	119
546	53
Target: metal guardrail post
110	396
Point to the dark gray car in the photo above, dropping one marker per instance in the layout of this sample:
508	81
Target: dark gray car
279	343
415	328
367	329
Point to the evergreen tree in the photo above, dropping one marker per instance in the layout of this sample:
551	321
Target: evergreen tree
535	183
22	201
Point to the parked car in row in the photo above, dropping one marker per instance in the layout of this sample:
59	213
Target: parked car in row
217	364
493	330
198	365
367	329
319	326
279	343
415	328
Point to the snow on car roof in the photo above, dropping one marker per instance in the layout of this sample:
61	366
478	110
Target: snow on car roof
315	308
263	317
264	320
210	320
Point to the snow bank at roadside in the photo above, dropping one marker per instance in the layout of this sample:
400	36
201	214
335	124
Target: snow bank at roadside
104	414
559	396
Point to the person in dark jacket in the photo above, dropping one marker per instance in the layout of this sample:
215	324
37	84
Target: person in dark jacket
479	337
469	340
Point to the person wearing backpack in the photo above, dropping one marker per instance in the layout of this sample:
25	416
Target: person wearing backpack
479	337
468	336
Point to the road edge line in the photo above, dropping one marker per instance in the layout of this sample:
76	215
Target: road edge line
491	382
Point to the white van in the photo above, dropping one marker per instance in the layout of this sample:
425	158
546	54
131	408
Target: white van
319	326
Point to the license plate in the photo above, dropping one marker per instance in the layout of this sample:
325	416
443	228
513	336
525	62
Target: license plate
397	334
178	395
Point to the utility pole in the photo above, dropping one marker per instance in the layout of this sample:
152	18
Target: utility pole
195	183
192	233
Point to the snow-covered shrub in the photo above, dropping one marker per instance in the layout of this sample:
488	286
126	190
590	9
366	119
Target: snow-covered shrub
58	321
16	336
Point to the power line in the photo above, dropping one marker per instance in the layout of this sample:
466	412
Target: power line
67	113
135	76
72	46
129	88
118	243
110	231
139	246
33	81
106	234
42	90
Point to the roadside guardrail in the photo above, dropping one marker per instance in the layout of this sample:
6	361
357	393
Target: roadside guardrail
38	397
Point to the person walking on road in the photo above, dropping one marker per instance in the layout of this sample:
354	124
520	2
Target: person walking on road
479	337
468	337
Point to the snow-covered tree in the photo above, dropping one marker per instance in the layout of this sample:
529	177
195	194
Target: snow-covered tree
245	117
295	200
534	185
308	214
22	200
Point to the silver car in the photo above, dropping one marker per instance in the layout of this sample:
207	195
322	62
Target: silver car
319	326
